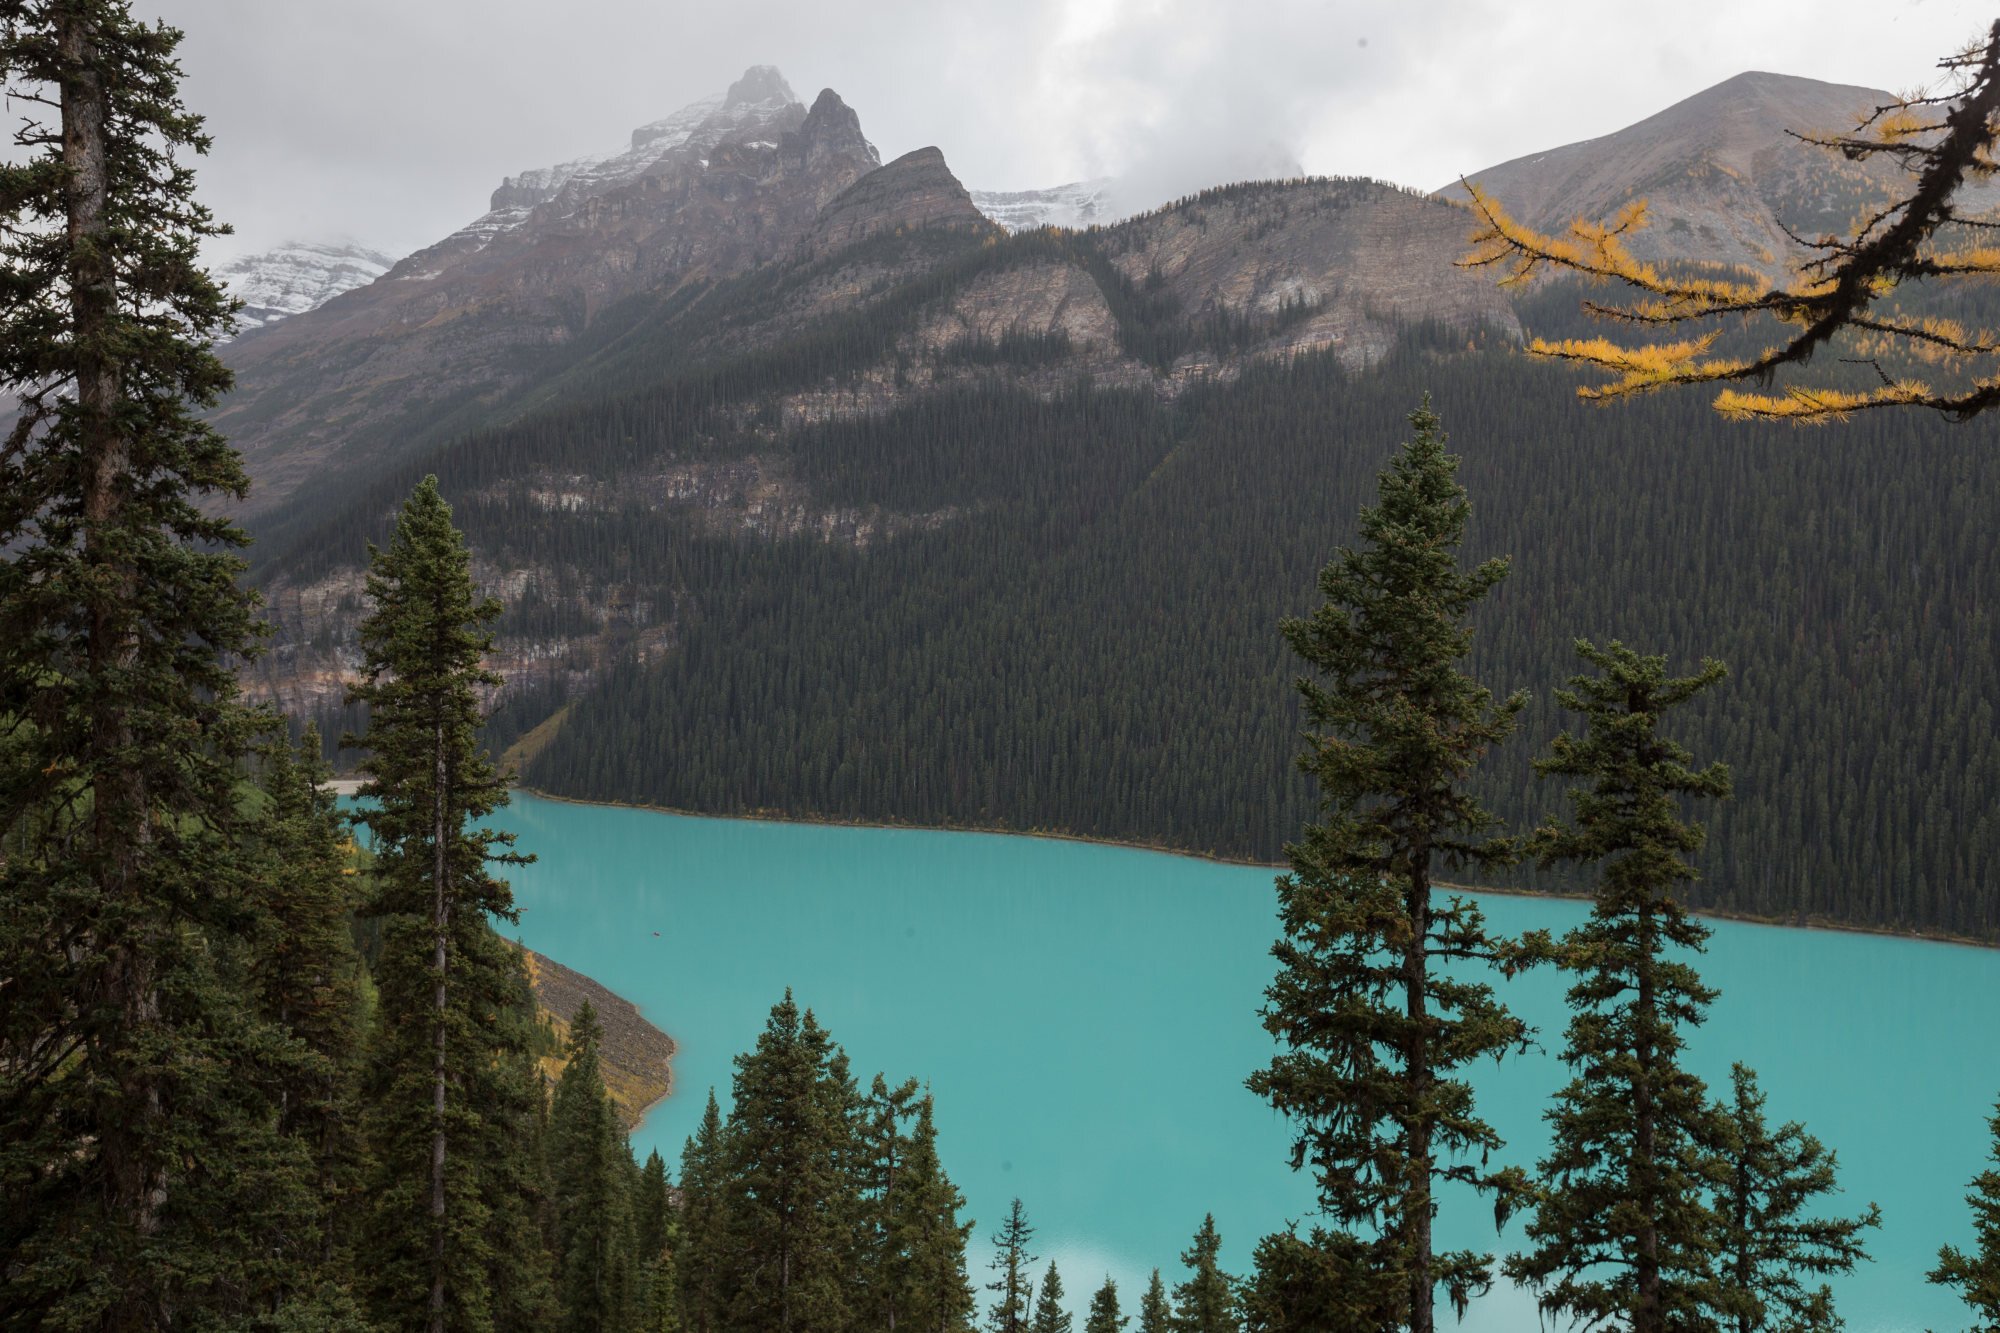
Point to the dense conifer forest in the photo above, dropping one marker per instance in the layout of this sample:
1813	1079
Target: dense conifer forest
1082	641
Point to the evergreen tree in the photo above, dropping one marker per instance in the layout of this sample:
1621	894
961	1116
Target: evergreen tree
1104	1316
938	1296
588	1164
1976	1274
703	1224
144	1177
1321	1283
451	1092
1012	1264
1050	1314
1206	1302
1371	1030
1156	1312
1768	1178
652	1208
304	971
883	1146
791	1204
1623	1229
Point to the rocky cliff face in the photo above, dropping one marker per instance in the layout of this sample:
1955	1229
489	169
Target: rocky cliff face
709	193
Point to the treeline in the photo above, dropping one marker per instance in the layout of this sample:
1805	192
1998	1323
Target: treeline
1082	642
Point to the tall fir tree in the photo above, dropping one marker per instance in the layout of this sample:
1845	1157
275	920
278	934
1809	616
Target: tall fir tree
1013	1284
1371	1030
1206	1302
1623	1228
652	1209
1104	1315
791	1200
306	975
1051	1315
1975	1273
1769	1242
1156	1311
703	1224
144	1179
939	1295
451	1091
591	1208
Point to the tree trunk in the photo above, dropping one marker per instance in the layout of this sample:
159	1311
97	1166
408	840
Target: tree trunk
135	1176
1417	1064
440	925
1647	1316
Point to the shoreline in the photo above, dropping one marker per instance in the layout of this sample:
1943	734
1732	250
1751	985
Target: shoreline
1707	913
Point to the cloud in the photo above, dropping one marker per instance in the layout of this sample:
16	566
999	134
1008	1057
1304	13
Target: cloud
391	121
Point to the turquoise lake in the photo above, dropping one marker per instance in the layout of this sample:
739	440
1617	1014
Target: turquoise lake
1086	1015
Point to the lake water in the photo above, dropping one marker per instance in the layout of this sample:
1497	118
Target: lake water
1086	1016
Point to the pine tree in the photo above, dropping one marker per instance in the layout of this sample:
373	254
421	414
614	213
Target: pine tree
451	1094
305	974
1320	1283
703	1224
1104	1316
1623	1228
1768	1178
938	1295
652	1207
143	1176
1050	1314
592	1213
1206	1302
1156	1312
880	1276
1371	1029
1976	1274
791	1204
1012	1262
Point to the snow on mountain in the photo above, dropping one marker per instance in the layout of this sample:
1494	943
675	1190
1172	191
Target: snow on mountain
296	277
1078	204
758	102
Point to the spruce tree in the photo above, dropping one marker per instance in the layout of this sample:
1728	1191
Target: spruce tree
143	1177
1050	1314
1013	1286
451	1093
703	1224
305	974
937	1293
1104	1316
1320	1283
1206	1302
1976	1273
880	1271
1156	1312
791	1204
592	1213
1372	1031
1768	1178
1623	1228
652	1207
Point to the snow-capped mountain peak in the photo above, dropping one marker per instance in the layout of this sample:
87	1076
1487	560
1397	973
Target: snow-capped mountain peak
297	276
1079	204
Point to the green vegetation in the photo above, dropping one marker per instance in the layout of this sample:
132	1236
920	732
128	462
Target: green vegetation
217	1112
1373	1034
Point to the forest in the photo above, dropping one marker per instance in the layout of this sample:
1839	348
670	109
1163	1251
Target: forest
268	1063
1085	644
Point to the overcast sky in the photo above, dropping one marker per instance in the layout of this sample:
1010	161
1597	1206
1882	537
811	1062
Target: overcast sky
390	121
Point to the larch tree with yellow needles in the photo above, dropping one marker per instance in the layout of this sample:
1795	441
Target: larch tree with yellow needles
1846	296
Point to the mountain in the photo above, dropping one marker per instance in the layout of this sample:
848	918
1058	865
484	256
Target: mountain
723	186
809	488
1079	204
296	277
1724	173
